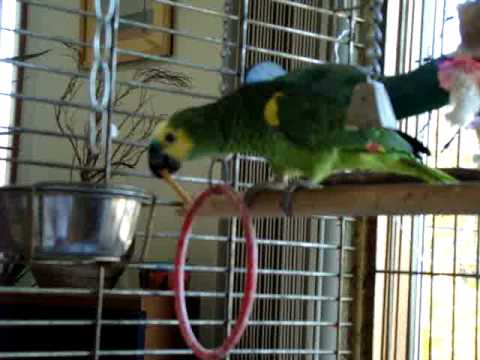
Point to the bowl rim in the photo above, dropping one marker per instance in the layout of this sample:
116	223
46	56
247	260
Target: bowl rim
78	187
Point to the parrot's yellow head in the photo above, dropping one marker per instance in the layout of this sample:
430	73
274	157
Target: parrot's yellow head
188	134
181	137
169	147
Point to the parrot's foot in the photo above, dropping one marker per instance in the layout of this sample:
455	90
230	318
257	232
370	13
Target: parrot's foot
252	193
287	188
298	184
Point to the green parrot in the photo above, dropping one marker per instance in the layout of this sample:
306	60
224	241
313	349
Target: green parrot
298	123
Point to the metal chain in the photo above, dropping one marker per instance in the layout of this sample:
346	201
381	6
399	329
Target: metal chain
374	39
102	43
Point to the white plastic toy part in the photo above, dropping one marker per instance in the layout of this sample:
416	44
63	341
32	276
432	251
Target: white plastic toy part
371	107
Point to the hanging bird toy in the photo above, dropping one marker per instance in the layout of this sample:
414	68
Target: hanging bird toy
460	74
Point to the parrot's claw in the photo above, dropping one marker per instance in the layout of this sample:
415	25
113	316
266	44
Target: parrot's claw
252	193
287	189
286	203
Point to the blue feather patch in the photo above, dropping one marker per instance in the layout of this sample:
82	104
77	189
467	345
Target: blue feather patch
264	71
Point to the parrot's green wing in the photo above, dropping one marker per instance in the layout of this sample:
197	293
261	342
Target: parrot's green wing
309	110
411	94
310	107
334	81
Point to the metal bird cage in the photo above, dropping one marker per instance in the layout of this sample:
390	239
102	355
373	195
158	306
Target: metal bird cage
102	74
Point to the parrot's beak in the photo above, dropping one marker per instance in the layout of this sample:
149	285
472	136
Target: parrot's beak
160	161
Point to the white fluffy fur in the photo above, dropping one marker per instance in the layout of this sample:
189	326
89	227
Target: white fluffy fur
465	97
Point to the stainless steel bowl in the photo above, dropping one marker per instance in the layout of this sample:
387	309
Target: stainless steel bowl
15	221
72	227
84	221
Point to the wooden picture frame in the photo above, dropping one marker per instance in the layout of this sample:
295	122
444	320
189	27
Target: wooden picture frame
132	38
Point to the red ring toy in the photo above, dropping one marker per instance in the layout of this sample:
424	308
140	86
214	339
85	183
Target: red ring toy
250	281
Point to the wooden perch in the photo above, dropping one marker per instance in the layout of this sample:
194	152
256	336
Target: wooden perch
368	195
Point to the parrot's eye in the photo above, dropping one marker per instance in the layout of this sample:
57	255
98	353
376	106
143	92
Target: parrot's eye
170	138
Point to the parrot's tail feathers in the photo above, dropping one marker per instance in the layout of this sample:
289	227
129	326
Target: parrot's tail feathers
427	174
417	147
